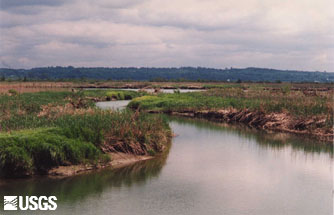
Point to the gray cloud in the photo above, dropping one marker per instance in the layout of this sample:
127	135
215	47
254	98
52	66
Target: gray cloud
6	4
212	33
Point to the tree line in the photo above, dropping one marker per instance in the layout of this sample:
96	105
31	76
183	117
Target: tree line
251	74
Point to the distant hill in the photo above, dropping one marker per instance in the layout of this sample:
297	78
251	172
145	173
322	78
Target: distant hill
162	74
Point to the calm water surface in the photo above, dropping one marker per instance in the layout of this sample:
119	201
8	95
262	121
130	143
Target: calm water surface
114	105
149	90
210	169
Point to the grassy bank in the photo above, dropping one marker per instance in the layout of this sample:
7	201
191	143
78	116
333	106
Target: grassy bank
295	103
43	130
282	109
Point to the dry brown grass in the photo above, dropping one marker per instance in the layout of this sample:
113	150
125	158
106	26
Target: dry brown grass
32	87
23	87
52	111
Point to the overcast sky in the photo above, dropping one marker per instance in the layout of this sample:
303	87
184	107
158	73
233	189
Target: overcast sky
283	34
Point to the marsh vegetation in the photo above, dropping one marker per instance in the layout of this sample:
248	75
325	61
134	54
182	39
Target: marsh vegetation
42	130
304	111
48	129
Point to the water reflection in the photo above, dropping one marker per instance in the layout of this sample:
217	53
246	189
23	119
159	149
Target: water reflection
272	140
79	187
113	105
149	90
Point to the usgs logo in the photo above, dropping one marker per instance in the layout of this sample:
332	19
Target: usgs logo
13	203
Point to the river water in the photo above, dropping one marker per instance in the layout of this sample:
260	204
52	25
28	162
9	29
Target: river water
114	105
149	90
210	169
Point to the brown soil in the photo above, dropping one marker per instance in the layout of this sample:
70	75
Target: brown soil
279	122
117	160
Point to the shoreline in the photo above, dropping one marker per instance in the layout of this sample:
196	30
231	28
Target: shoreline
276	122
118	160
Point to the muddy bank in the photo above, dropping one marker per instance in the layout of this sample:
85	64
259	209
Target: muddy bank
120	153
117	160
313	127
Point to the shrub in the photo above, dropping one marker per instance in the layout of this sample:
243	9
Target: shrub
13	92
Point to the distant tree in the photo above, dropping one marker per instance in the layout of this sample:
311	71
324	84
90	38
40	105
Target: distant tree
166	74
239	81
159	79
181	80
3	78
25	79
278	81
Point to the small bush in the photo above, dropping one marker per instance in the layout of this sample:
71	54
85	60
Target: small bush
13	92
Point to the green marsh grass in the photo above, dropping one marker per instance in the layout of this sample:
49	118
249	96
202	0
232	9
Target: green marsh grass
293	102
72	131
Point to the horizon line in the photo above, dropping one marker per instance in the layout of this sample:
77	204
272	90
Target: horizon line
172	67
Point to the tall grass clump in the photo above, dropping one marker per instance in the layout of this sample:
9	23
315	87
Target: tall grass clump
102	128
28	151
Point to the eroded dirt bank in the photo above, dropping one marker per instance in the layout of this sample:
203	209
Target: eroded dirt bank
121	153
118	160
279	122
